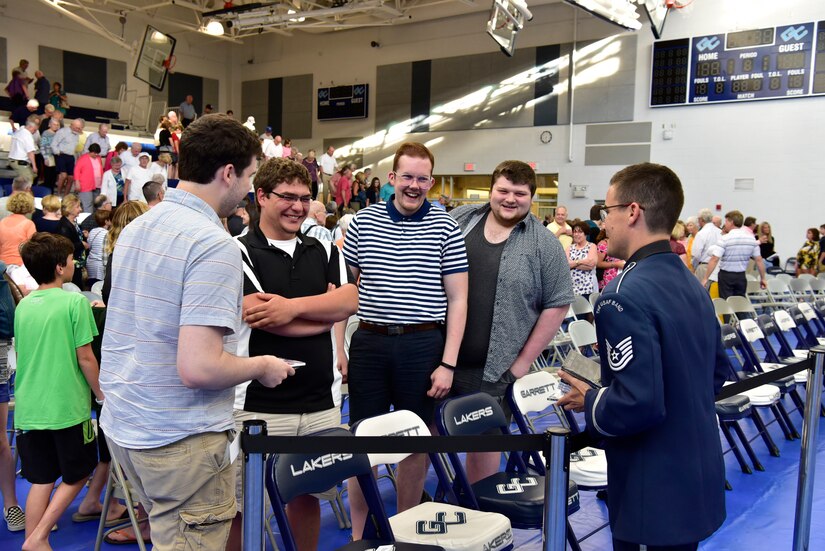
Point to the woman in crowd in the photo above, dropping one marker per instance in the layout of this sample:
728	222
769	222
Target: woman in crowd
167	146
287	149
311	164
113	182
58	98
16	229
162	166
767	244
69	228
17	89
692	228
808	255
677	236
608	265
116	152
359	195
582	258
343	188
374	191
49	169
97	241
88	173
51	214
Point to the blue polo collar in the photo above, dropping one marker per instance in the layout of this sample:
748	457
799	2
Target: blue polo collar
417	216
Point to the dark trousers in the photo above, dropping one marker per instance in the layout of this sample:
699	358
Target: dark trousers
619	545
732	284
314	190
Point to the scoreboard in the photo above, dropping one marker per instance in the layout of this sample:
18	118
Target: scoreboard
343	102
771	63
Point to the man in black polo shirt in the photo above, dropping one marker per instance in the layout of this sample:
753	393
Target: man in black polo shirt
295	289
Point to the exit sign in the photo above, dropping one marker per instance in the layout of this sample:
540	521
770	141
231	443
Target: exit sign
469	167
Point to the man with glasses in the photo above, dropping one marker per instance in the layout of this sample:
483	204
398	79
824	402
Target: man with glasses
295	288
412	265
519	293
662	364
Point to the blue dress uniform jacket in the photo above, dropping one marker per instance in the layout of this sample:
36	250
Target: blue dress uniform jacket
662	363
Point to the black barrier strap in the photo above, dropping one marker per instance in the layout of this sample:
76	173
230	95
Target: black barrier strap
476	443
391	444
403	444
763	379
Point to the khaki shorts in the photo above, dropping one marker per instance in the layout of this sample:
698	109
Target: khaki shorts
285	424
186	488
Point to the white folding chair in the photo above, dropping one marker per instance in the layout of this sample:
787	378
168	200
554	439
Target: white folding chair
593	298
581	307
583	335
724	311
71	287
478	527
780	293
801	289
97	288
806	276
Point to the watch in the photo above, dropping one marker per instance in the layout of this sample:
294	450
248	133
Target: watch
546	137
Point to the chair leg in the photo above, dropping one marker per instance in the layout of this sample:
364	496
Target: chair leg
788	421
781	422
571	537
798	401
747	445
763	431
734	448
107	499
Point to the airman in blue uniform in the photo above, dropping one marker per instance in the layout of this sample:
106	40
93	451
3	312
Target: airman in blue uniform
662	363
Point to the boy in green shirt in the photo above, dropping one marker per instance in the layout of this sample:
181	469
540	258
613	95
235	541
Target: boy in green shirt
56	369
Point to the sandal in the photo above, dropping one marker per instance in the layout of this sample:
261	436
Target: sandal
118	537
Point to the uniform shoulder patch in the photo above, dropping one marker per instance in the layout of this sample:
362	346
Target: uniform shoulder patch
621	354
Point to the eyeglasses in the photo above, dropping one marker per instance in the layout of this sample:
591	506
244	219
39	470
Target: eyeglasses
603	210
289	198
422	181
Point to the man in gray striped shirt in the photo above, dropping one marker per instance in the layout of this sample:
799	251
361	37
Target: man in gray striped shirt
732	252
168	364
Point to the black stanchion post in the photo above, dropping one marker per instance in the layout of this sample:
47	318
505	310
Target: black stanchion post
557	461
807	460
253	492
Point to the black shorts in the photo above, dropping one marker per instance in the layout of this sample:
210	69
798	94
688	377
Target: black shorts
65	163
47	455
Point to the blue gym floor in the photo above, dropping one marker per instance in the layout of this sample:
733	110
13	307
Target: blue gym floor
760	508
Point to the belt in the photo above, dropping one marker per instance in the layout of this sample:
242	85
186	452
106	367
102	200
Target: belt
24	163
395	330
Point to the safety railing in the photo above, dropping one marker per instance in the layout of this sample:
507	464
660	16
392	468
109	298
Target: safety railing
556	443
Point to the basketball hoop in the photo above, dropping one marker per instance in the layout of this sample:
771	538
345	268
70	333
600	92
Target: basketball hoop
169	64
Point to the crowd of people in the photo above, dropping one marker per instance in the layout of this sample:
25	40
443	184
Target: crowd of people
448	303
702	242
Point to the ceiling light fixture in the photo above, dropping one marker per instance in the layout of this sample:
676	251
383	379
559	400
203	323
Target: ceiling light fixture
214	28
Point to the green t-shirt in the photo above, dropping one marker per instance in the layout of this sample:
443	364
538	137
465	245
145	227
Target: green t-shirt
50	390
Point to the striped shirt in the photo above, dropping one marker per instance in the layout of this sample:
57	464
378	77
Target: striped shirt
312	228
173	266
402	260
735	249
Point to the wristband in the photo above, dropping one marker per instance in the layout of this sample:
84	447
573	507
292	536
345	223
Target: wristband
448	366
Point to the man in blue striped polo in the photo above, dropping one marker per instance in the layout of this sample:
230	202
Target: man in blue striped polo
412	265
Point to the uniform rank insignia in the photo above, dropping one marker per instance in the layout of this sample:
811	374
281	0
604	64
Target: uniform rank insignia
620	355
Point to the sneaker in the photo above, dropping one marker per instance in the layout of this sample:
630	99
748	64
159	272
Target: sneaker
15	518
